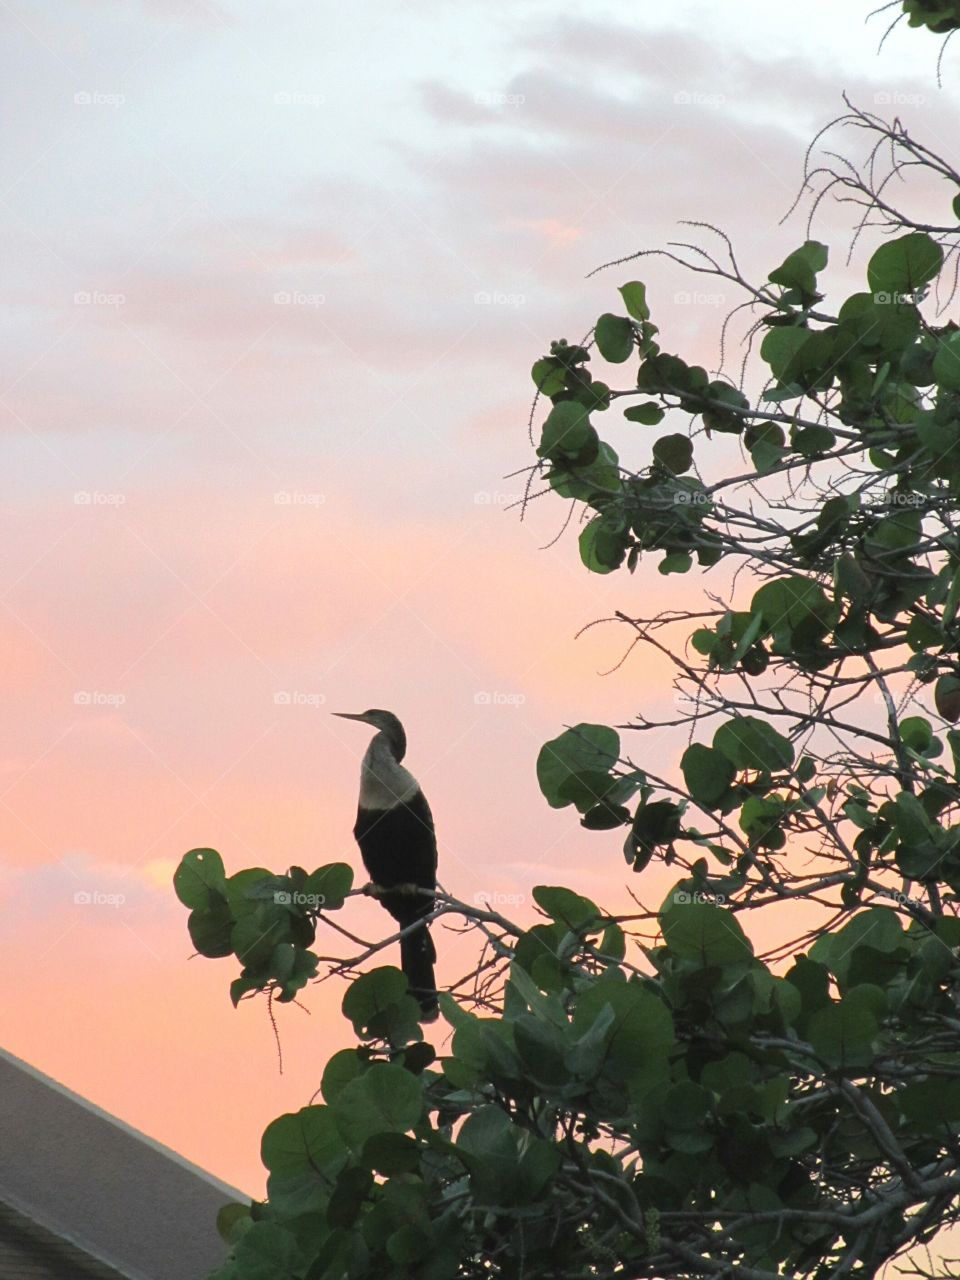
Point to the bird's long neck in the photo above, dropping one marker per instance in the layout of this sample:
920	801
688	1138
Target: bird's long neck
384	782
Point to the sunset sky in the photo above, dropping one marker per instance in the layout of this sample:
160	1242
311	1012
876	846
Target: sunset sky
274	280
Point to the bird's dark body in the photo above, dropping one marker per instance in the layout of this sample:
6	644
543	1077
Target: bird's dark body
399	847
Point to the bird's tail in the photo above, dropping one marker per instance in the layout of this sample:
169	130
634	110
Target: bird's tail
417	954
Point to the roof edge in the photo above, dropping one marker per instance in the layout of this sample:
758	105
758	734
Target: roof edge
231	1193
58	1247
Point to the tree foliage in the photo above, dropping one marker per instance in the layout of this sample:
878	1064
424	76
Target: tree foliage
647	1096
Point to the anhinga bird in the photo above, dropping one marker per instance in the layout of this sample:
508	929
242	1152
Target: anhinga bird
394	830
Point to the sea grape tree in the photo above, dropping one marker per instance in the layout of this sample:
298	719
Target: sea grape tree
654	1095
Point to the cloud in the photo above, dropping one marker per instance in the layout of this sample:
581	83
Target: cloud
620	132
78	888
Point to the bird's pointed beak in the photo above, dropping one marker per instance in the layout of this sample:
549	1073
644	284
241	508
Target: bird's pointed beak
349	715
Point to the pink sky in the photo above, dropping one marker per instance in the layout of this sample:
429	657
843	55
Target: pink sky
257	252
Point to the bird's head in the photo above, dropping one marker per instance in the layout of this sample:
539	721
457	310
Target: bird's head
383	721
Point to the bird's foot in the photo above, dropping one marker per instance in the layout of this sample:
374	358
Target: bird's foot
378	890
411	888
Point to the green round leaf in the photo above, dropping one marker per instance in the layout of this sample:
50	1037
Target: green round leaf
615	338
211	930
843	1033
566	431
379	1005
328	886
487	1145
200	880
779	347
344	1066
946	363
549	376
302	1141
649	413
675	562
567	908
705	933
930	1104
674	453
385	1099
603	545
707	772
799	269
634	295
905	264
265	1251
640	1031
916	733
391	1153
585	748
232	1221
749	743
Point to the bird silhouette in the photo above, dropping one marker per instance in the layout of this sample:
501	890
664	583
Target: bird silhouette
395	832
